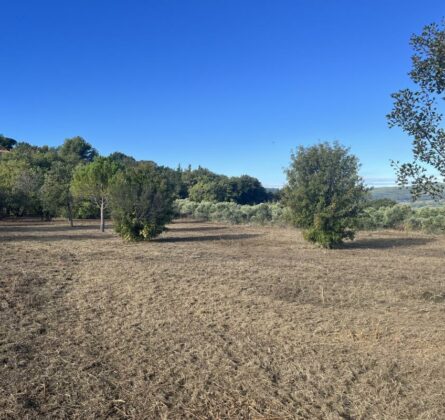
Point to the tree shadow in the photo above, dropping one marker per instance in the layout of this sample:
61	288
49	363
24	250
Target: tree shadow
386	243
54	238
48	228
237	237
196	229
186	220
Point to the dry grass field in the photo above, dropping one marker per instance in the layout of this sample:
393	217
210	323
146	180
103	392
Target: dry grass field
215	321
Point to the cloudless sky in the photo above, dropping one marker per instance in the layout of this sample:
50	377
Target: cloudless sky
232	85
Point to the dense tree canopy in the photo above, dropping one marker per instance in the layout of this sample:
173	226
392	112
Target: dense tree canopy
92	182
77	150
56	195
325	193
416	112
142	201
204	185
73	181
7	143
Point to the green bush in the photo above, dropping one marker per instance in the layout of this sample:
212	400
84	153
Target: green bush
381	202
142	202
131	228
401	216
394	217
265	213
433	224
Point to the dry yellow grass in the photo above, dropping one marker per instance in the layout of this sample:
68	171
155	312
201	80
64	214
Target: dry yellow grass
214	321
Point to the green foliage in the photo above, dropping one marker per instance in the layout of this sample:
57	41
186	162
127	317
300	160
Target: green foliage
248	190
122	159
68	180
393	217
204	185
381	202
7	143
324	193
134	229
404	217
76	150
142	201
20	183
400	216
215	190
55	192
92	181
416	113
263	214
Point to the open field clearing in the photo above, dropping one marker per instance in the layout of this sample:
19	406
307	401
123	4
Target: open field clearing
215	321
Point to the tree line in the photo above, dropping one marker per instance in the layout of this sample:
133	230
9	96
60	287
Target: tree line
74	181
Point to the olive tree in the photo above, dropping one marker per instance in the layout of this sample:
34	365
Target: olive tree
415	111
324	193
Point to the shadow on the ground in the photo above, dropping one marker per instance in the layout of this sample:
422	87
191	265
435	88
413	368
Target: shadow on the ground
185	220
54	238
196	229
49	228
207	238
386	243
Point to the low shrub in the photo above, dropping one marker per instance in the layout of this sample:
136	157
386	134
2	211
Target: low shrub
134	229
395	216
262	214
404	217
400	216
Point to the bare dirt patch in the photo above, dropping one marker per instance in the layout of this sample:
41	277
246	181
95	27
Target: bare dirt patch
216	321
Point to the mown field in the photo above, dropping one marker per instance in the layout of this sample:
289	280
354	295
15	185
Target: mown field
219	321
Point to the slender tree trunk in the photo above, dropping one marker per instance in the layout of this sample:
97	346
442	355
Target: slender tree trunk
102	221
70	214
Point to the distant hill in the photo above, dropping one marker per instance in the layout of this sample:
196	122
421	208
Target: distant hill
394	193
402	195
272	190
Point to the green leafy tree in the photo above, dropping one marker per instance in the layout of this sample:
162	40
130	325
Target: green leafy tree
248	190
76	150
20	184
203	185
191	177
25	166
92	182
38	157
122	159
7	143
415	112
211	190
324	193
380	202
142	201
55	192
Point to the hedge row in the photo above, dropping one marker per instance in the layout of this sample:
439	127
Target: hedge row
263	214
400	216
404	217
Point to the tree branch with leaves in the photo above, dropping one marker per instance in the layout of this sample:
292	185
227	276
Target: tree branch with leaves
416	113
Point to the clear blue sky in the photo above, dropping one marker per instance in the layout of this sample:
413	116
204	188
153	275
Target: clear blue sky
232	85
